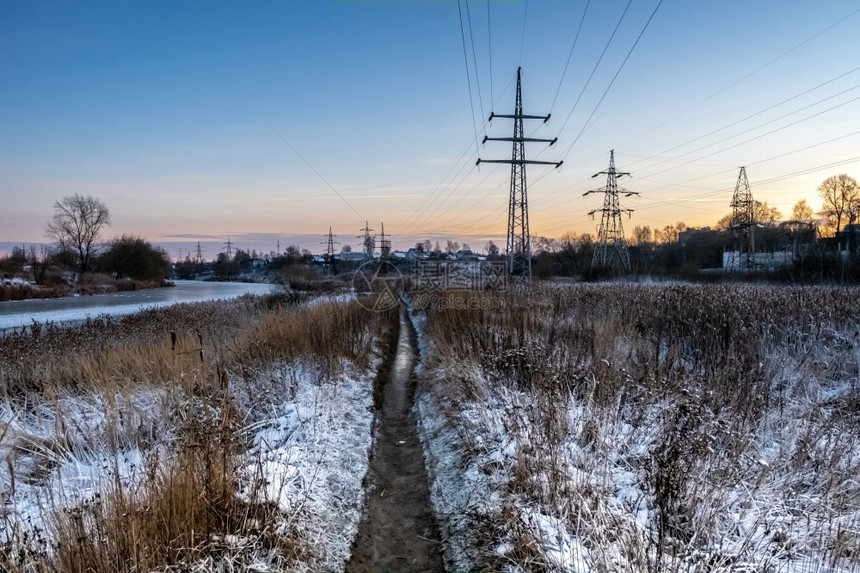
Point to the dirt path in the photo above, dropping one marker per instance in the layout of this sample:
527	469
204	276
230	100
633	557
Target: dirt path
398	532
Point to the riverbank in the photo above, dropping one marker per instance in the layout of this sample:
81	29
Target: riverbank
211	436
19	289
78	309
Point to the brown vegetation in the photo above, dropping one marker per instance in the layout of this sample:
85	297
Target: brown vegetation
202	362
726	411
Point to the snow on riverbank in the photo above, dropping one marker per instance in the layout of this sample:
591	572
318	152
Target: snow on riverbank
311	450
309	435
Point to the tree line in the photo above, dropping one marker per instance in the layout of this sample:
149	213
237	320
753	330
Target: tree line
78	248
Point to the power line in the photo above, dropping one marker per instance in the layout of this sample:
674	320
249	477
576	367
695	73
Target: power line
611	249
615	77
594	69
311	166
739	80
757	137
425	205
771	132
762	182
732	124
440	185
793	48
712	193
640	160
519	239
569	56
490	52
523	38
468	75
475	59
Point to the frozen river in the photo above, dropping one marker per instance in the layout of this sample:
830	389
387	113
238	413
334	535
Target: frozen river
14	314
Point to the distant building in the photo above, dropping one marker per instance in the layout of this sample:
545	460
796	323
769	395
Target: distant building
352	257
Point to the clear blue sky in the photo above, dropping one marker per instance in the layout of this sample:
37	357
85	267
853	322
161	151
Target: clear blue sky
163	111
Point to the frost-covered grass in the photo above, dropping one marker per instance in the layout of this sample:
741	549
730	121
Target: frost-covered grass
124	450
645	428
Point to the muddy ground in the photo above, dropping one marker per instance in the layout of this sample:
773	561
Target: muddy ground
398	532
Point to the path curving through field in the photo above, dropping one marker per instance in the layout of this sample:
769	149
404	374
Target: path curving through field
398	531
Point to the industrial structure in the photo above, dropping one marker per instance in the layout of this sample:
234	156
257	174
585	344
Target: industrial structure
519	240
611	248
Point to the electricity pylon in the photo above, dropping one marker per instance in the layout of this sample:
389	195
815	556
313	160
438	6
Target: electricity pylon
519	252
368	242
198	257
329	252
611	249
743	223
384	244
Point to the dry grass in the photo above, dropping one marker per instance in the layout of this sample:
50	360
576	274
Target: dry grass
23	291
182	510
666	427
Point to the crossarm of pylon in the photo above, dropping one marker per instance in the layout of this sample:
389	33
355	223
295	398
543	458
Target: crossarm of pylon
545	118
519	162
518	139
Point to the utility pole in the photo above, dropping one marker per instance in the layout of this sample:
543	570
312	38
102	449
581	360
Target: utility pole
368	243
329	252
519	240
743	223
611	249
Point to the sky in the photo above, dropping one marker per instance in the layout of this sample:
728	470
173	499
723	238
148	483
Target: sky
266	123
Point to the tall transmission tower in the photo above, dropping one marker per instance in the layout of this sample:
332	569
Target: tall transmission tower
198	256
611	249
743	224
368	242
229	245
384	244
329	251
519	240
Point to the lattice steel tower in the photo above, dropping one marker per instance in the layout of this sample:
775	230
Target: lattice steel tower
384	244
519	240
743	223
329	251
368	243
611	249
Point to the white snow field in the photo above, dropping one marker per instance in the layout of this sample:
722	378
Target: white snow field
569	476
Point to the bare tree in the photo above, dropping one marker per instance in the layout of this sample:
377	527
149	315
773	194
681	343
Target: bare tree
801	211
841	199
76	226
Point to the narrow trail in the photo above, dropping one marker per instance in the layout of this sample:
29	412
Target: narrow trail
398	532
